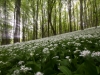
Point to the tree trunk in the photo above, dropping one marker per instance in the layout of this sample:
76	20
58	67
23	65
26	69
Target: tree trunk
5	35
17	28
50	7
81	14
23	28
60	26
70	17
37	19
42	20
85	14
96	14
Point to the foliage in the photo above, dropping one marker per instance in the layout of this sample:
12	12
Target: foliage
75	53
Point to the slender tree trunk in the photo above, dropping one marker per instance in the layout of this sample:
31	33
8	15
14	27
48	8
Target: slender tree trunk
33	19
96	14
65	24
42	20
85	14
0	27
5	35
70	17
49	16
60	26
37	19
17	28
55	12
74	18
23	24
81	14
77	20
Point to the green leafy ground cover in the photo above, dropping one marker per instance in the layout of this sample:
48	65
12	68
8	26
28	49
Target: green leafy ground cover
75	53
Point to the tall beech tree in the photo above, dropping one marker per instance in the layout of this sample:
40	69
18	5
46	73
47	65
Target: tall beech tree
17	21
81	14
70	15
5	25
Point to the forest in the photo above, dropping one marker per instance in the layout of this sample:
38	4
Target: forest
49	37
24	20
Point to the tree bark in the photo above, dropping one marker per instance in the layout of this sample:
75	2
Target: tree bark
70	17
5	31
17	15
81	14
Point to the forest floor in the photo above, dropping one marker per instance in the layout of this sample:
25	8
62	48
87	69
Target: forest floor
73	53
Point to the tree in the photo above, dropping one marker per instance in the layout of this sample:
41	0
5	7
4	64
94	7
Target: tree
81	14
70	15
42	3
85	14
17	17
5	30
49	9
60	26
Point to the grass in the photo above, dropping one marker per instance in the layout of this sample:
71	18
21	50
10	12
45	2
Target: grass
74	53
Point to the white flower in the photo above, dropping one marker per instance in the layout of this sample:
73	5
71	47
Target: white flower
82	41
89	41
16	72
25	69
55	45
55	57
68	43
52	49
20	62
76	51
69	50
77	44
31	54
67	57
69	60
85	48
45	50
38	73
94	54
85	53
63	45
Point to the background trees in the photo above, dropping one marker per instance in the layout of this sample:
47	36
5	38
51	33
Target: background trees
23	20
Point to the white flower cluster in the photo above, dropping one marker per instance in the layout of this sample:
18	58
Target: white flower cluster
85	53
45	50
20	62
25	69
67	57
38	73
16	72
76	51
55	57
95	54
31	53
77	44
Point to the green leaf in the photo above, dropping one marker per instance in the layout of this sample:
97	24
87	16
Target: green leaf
98	69
65	70
36	67
90	68
49	71
87	68
65	62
